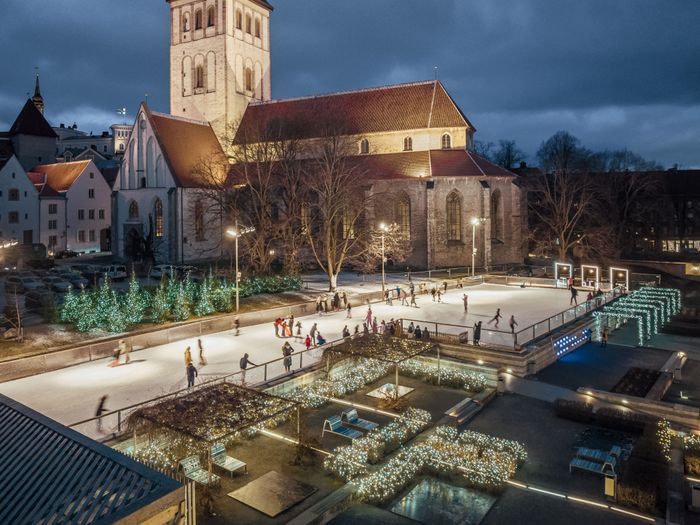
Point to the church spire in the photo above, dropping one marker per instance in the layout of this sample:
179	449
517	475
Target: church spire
37	98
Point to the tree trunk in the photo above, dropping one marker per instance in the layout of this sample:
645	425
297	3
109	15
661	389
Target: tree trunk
332	281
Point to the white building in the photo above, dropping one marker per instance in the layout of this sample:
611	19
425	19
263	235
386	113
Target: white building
82	221
19	204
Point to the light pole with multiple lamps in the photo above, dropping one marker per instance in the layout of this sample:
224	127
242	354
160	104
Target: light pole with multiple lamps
382	227
236	233
475	222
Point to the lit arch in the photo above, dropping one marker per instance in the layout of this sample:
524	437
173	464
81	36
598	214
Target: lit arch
402	215
133	210
408	144
364	147
158	223
446	141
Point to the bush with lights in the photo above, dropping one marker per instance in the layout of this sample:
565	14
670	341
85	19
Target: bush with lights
471	381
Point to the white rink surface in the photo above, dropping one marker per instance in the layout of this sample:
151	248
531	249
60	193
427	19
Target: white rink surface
71	394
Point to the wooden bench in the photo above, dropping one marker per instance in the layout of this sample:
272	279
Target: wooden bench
349	416
334	425
194	471
606	468
224	461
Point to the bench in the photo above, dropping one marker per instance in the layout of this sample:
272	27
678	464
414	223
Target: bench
464	410
224	461
591	454
349	416
606	468
334	425
194	471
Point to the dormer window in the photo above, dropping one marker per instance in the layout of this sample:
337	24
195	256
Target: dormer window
446	141
364	147
408	144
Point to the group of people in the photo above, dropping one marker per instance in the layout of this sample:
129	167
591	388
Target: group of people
190	369
287	328
336	299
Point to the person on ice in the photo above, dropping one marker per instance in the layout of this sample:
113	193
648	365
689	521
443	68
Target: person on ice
513	323
574	295
191	374
477	333
496	317
244	362
465	300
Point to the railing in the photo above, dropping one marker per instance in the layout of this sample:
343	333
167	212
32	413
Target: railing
113	423
505	339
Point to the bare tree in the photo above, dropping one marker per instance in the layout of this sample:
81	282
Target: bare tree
485	149
508	155
396	249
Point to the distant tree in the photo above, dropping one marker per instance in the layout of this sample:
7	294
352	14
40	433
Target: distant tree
622	160
508	155
485	149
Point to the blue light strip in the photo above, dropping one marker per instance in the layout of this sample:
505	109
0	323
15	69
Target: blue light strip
568	343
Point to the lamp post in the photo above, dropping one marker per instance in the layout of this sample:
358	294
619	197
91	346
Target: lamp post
236	233
475	222
382	227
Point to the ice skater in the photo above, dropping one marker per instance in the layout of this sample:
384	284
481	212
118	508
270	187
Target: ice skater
307	341
191	374
368	317
413	299
202	361
439	296
312	333
124	349
243	363
404	298
298	336
348	309
513	323
574	296
287	352
188	356
444	286
237	326
101	409
477	333
496	317
465	300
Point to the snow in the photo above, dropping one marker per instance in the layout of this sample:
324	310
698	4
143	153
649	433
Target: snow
71	394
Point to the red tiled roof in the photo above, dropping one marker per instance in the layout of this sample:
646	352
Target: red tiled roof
392	108
61	175
30	121
461	163
39	182
184	144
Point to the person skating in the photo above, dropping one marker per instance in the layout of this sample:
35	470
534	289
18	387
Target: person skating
202	361
191	374
496	317
368	317
513	323
283	328
477	333
439	296
237	326
382	327
276	324
375	327
115	356
413	299
365	329
287	352
320	339
336	301
188	356
444	286
348	309
345	299
312	333
465	300
125	350
574	295
298	336
325	304
101	409
604	337
433	291
307	341
404	298
319	307
243	363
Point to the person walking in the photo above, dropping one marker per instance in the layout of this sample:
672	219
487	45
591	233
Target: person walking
298	336
243	363
604	337
404	298
413	299
202	361
101	409
375	327
439	296
418	333
477	333
368	317
307	341
465	300
345	300
496	317
312	333
574	295
237	326
348	309
276	324
191	374
513	323
124	349
444	286
336	301
287	352
115	356
188	356
433	291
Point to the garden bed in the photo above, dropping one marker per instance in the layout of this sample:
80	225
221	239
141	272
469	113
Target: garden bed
636	382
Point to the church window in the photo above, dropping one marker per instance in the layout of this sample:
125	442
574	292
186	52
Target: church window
158	214
211	16
496	221
257	28
133	210
364	147
186	22
446	141
248	24
408	144
199	77
198	19
454	217
198	220
402	215
248	79
239	19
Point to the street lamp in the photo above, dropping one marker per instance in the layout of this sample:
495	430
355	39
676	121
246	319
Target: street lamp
236	233
382	227
475	222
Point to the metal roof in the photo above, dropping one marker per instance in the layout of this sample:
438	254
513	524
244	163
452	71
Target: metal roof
51	475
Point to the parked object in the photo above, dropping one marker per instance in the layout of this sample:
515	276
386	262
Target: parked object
221	459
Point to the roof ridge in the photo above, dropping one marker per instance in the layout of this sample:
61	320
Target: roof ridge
432	104
337	93
182	119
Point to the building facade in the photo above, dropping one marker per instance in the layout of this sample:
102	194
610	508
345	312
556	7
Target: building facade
19	204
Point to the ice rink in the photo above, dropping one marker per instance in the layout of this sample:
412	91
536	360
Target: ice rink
71	394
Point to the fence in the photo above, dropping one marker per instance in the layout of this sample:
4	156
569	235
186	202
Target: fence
504	339
114	423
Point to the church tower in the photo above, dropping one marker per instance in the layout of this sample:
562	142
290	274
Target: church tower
37	98
219	59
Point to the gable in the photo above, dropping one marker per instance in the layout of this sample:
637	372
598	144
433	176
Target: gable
30	121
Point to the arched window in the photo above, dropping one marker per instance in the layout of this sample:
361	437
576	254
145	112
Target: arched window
248	79
199	77
158	215
446	141
186	22
248	24
121	147
198	19
257	28
211	16
133	210
454	217
239	19
364	147
408	144
402	216
198	220
496	220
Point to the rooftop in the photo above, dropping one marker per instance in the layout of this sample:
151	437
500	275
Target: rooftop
30	121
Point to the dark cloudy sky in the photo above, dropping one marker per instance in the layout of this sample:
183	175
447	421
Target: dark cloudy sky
615	73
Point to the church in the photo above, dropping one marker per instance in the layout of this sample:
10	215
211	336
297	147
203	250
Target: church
412	140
